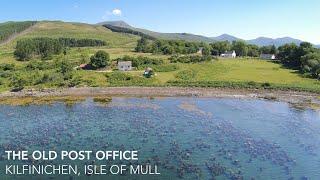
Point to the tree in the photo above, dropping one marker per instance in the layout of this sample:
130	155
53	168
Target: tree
253	50
311	64
272	49
100	59
142	45
240	47
289	56
220	47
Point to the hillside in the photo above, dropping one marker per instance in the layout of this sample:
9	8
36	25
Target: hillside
260	41
171	36
56	29
264	41
10	29
44	73
226	37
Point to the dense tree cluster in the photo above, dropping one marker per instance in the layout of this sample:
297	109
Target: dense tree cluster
129	31
72	42
46	47
141	61
241	48
304	57
9	28
168	46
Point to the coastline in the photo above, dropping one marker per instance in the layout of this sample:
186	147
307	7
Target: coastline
292	97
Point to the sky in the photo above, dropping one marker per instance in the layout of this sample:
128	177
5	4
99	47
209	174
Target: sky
246	19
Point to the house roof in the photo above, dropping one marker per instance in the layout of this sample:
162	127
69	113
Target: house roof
83	65
124	63
229	52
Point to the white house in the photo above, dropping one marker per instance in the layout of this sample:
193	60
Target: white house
200	50
268	56
125	65
229	54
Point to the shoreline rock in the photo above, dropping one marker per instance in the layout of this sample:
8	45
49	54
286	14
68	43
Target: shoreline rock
292	97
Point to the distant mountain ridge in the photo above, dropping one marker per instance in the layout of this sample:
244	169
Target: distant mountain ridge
265	41
226	37
260	41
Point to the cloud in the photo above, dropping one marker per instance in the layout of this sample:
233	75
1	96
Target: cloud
75	6
114	12
117	12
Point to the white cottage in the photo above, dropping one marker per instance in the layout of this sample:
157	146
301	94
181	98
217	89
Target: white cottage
124	65
229	54
268	56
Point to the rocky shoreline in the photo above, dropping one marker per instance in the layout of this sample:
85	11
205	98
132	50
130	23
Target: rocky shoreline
293	97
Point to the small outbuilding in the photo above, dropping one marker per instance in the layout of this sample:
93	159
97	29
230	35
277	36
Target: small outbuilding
124	65
229	54
148	72
83	66
268	56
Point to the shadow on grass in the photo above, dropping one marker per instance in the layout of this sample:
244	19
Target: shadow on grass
296	71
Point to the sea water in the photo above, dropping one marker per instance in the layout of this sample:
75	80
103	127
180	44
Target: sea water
184	138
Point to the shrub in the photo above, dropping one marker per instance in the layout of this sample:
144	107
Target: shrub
37	65
65	68
17	83
142	61
74	81
100	59
189	59
7	67
43	78
124	79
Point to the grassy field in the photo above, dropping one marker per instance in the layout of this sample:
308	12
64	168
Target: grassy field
223	71
244	70
239	70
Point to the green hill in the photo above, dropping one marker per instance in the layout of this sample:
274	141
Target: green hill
56	29
9	29
167	36
44	73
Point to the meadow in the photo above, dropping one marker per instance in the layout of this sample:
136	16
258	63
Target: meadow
232	73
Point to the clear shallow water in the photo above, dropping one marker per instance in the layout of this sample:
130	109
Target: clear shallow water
188	138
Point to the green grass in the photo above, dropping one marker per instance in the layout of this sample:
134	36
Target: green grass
80	31
58	29
247	73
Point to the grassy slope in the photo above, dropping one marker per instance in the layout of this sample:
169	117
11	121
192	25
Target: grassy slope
251	70
72	30
239	70
231	70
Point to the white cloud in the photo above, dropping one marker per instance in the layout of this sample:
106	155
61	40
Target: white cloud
114	12
117	12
